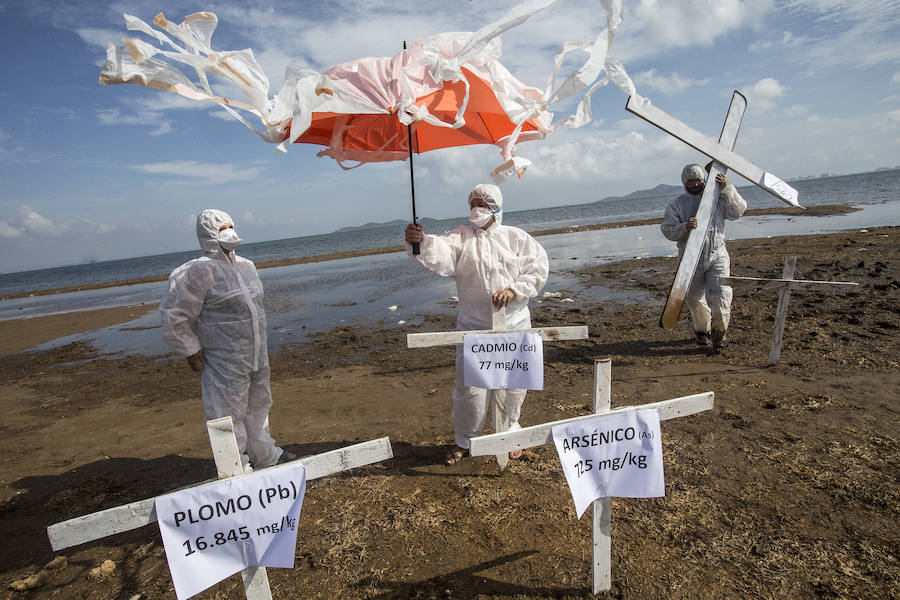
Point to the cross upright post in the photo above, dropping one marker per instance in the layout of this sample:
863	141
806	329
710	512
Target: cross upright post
537	435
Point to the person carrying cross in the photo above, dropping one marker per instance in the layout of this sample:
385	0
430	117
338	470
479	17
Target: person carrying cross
493	265
708	301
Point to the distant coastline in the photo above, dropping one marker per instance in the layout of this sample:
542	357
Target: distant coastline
815	211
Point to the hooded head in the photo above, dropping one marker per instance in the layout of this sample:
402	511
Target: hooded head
491	195
208	223
693	171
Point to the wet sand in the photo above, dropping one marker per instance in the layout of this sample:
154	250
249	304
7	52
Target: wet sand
789	488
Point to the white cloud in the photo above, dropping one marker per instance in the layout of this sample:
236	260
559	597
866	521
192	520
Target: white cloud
656	25
667	84
98	227
113	116
9	231
100	37
893	117
895	80
846	33
210	173
28	221
797	110
787	40
762	94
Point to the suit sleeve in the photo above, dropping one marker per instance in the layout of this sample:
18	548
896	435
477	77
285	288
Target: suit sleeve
733	203
534	268
439	253
672	225
181	306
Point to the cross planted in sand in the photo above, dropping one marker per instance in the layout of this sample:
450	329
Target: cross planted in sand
784	287
723	159
537	435
108	522
495	398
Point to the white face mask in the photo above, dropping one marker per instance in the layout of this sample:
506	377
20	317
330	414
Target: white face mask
479	216
228	239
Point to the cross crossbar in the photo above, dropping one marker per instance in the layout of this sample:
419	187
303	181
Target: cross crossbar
95	526
537	435
452	338
791	284
713	149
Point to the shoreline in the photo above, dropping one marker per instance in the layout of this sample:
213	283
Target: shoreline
814	211
812	439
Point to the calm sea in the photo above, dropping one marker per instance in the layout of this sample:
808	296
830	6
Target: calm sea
866	188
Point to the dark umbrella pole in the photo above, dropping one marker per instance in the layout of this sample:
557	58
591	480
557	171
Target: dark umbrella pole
412	183
412	179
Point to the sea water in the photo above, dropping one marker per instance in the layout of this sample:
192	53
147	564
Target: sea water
393	291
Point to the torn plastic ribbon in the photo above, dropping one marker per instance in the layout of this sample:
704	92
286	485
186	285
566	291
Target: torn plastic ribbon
450	86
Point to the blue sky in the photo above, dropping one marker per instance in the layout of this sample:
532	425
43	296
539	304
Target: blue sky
92	172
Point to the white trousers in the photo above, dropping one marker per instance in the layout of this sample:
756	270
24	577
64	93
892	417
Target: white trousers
246	398
708	301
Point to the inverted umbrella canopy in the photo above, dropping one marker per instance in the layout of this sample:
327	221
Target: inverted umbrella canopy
364	137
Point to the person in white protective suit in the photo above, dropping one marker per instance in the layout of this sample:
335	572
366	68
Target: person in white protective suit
212	313
708	301
493	265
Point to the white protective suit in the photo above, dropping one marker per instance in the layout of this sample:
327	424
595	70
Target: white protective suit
708	301
216	306
484	261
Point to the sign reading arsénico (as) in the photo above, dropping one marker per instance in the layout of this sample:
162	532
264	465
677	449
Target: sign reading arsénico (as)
497	361
615	455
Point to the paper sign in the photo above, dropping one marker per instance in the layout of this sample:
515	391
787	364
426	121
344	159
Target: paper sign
498	361
217	529
781	188
617	455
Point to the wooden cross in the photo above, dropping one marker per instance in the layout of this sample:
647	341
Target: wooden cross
724	158
537	435
108	522
495	398
784	287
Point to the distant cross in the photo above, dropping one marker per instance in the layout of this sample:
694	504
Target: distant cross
723	158
496	398
537	435
784	287
108	522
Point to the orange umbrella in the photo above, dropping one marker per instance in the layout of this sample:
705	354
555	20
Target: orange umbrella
458	112
362	134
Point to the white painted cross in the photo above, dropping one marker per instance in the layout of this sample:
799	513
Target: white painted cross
537	435
784	287
495	398
723	158
108	522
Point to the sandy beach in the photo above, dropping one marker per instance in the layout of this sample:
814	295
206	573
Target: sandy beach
788	488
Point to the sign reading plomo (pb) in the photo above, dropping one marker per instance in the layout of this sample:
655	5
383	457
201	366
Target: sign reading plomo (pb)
497	361
215	530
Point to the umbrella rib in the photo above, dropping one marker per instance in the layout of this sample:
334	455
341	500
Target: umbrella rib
486	128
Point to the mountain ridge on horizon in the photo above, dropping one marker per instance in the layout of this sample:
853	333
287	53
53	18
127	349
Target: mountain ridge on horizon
658	190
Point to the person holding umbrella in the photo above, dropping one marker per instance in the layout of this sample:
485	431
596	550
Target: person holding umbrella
492	264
